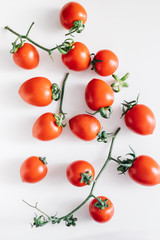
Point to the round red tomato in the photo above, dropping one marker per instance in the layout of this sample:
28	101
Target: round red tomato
105	62
71	12
45	127
140	119
36	91
98	94
145	170
78	58
85	126
33	169
27	56
80	173
104	214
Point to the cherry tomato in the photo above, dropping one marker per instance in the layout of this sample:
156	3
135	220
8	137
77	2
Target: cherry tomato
85	126
98	94
78	58
80	173
36	91
140	119
101	215
145	170
33	169
45	127
108	65
27	56
71	12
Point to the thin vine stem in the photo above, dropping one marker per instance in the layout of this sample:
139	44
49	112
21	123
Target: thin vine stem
63	48
90	195
62	93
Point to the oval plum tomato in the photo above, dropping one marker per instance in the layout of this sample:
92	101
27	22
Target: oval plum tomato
78	58
101	211
36	91
71	12
140	119
85	126
80	173
26	56
45	127
105	62
145	170
33	169
98	94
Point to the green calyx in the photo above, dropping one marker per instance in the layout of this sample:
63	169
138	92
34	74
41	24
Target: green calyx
125	164
129	105
56	93
16	46
94	61
105	112
39	221
43	159
70	221
66	46
86	177
78	27
101	204
59	119
119	82
103	136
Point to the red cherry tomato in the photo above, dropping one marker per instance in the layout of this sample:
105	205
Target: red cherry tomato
98	94
71	12
85	126
78	58
101	215
80	172
140	119
145	170
33	169
45	127
36	91
109	62
27	56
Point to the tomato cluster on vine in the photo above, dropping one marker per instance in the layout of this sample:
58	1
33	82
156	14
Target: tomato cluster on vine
99	97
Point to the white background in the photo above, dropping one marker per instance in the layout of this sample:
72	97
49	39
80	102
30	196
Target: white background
132	30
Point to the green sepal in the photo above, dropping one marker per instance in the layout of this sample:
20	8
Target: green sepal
39	221
119	82
101	204
106	112
70	221
56	92
59	119
78	27
94	61
129	105
43	159
66	46
16	46
86	177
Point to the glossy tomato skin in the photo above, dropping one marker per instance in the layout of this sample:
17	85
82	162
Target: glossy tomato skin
85	126
45	127
145	170
71	12
140	119
98	94
33	170
36	91
78	58
109	62
99	215
75	169
27	56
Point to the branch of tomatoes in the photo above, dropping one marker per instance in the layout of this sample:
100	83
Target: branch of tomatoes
102	205
63	48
